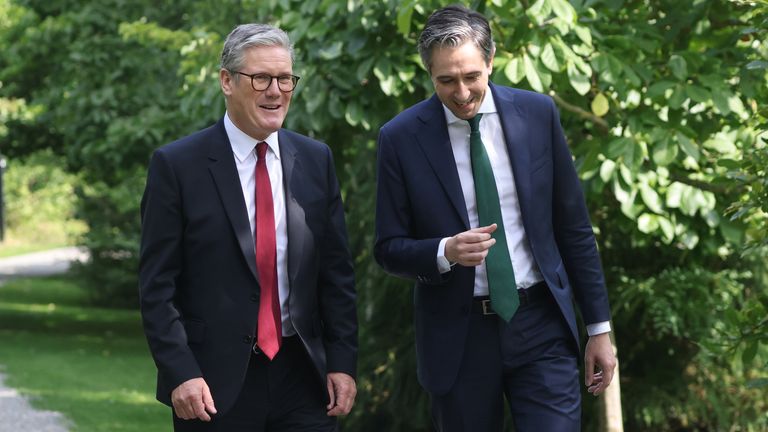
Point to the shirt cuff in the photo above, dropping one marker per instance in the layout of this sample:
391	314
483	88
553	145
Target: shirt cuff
443	265
598	328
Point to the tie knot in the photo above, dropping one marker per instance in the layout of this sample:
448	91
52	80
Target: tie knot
261	150
474	123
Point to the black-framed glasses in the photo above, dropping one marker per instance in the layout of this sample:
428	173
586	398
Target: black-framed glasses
262	81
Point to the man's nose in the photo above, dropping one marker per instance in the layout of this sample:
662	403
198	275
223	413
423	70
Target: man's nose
273	89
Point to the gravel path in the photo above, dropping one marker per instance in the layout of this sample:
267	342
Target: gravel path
16	414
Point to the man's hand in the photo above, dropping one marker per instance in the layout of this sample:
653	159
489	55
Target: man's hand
599	363
469	248
192	399
341	391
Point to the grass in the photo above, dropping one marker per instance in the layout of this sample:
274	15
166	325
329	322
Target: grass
9	247
89	363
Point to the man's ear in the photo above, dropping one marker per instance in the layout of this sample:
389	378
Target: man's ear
226	81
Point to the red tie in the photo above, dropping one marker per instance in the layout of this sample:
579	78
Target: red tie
270	334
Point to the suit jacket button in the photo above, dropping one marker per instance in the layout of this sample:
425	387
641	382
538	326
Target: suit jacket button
465	309
247	339
254	298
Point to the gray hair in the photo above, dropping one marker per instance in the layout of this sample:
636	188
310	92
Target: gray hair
246	36
452	26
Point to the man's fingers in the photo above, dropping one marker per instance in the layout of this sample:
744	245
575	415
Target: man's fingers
208	400
199	409
192	399
331	395
342	391
485	229
589	370
608	376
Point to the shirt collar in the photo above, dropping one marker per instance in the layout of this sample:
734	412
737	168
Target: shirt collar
243	144
486	107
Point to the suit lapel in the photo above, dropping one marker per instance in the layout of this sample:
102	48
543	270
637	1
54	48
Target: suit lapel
224	172
436	145
292	174
515	128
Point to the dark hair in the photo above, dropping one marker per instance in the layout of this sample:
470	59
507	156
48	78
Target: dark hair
452	26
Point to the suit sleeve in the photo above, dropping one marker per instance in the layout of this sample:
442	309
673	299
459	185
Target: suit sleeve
573	231
396	249
160	264
337	284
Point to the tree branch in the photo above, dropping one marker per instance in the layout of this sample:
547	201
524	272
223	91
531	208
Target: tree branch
581	112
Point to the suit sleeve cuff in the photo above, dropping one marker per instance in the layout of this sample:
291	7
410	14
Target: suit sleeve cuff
443	265
598	328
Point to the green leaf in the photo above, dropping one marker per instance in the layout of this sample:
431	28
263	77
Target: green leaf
404	17
667	228
578	80
606	170
659	88
675	193
650	198
539	11
622	194
664	152
531	74
688	146
617	147
515	70
720	99
698	94
647	223
757	64
749	353
549	59
584	34
678	97
332	51
678	66
564	10
737	106
600	105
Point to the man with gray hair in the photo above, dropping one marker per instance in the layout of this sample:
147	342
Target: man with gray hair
478	201
246	281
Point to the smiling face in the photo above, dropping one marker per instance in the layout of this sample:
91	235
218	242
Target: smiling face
460	76
258	113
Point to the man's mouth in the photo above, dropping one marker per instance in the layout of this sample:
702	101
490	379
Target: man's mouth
270	107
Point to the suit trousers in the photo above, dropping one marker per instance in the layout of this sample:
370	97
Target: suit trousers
532	361
282	395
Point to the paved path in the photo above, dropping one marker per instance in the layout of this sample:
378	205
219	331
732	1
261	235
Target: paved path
16	414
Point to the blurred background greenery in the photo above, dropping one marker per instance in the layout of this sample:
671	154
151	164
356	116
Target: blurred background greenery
663	103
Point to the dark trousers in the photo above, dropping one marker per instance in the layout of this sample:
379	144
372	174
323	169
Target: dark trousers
279	395
532	361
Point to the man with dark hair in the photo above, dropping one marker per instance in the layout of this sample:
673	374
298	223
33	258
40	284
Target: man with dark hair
479	202
246	281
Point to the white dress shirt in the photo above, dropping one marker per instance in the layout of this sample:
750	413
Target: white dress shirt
526	270
244	148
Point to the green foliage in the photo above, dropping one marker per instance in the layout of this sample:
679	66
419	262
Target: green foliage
662	103
676	384
40	201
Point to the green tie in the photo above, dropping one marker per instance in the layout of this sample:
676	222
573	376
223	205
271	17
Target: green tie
501	276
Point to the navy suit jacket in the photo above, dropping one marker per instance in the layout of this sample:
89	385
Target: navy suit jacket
420	201
198	281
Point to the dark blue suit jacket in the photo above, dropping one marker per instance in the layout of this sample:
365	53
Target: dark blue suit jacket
420	201
198	281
